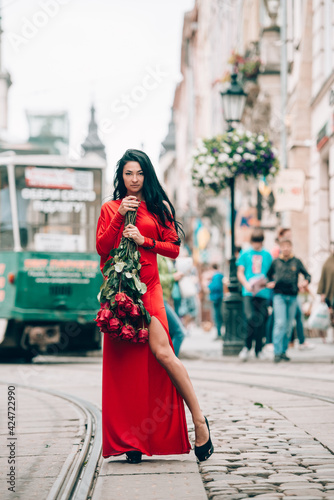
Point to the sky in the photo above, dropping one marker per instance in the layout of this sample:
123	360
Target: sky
123	55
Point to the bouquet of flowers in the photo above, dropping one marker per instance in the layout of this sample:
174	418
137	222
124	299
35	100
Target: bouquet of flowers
235	153
122	314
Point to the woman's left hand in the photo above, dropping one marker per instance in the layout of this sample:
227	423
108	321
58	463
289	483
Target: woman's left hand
133	233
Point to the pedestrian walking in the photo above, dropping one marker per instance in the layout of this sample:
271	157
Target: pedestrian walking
253	265
326	283
286	233
189	289
216	297
167	279
326	287
143	383
283	276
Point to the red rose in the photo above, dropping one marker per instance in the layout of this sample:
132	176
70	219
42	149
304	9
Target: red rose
128	304
103	316
134	312
120	297
142	334
124	302
105	305
114	325
128	332
120	313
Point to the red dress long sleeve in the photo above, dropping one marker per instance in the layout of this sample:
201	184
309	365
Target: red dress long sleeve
141	409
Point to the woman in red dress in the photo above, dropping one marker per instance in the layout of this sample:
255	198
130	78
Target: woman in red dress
143	385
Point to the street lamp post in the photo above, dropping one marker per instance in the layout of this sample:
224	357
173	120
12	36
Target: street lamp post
234	100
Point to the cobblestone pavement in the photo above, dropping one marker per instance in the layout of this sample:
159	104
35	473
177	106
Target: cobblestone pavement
268	444
259	452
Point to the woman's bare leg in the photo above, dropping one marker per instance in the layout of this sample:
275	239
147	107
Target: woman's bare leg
163	352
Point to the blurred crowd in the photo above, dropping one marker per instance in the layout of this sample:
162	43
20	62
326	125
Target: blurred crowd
280	310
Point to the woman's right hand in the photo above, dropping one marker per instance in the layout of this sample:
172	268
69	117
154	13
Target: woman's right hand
129	203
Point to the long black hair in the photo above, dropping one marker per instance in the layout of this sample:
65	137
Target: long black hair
153	193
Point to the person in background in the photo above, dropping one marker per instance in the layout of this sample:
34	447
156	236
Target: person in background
253	265
167	279
282	233
326	284
216	297
286	233
283	276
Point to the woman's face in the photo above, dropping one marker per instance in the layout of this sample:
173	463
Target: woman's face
133	177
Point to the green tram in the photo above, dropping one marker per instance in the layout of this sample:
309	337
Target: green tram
49	268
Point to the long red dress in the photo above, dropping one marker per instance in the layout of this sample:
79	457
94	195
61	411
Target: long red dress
141	409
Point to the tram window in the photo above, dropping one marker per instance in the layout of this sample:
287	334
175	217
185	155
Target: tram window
6	225
61	207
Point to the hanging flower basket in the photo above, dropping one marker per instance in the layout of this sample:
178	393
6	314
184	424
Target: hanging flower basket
235	153
250	68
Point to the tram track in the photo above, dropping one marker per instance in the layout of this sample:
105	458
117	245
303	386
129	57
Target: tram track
77	476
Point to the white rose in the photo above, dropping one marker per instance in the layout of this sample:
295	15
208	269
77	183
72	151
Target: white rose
236	157
253	157
235	138
249	145
272	170
246	156
260	138
227	149
230	161
248	134
211	160
264	144
239	149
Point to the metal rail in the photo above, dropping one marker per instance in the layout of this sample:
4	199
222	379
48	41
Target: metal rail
76	478
269	388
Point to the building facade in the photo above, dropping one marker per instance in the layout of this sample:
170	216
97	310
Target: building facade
292	102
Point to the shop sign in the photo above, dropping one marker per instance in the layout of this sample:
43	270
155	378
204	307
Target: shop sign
289	190
59	178
322	137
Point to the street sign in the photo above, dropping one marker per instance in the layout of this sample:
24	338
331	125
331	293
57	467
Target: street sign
289	190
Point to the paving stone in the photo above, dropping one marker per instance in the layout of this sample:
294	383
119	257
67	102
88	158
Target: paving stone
227	482
269	496
221	490
212	468
324	470
292	470
323	479
231	496
282	478
313	494
297	485
255	455
252	471
237	465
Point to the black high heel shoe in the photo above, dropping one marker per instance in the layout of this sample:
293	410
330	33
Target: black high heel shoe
133	457
205	451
